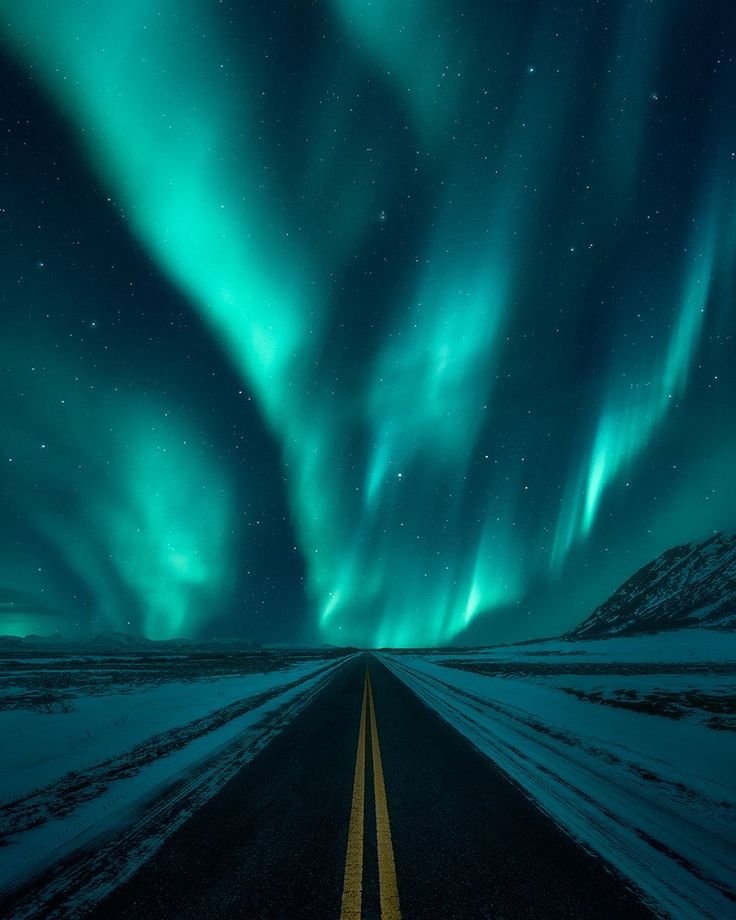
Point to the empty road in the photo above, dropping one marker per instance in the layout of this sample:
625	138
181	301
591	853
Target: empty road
369	806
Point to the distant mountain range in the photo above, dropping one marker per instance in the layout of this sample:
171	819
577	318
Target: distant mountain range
687	586
113	643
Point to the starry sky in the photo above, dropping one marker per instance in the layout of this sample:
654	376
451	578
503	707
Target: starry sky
403	322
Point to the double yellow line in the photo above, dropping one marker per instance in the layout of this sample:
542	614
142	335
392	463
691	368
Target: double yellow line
352	891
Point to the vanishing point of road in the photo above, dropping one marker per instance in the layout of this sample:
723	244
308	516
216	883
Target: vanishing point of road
369	806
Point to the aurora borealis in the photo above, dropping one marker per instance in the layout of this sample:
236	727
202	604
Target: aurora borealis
381	323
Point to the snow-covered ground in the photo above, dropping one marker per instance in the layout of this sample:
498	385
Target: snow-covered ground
629	744
124	767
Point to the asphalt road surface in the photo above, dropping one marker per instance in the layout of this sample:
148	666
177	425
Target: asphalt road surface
369	806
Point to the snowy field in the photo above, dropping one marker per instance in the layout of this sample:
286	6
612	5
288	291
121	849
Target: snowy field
104	757
629	744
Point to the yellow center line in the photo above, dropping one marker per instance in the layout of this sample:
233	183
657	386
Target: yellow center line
352	890
388	889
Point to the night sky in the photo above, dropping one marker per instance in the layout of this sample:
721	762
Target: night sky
392	322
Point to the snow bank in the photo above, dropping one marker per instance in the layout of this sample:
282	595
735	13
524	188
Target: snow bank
655	796
122	804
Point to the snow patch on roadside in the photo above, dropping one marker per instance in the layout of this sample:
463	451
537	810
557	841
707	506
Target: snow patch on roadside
79	857
653	795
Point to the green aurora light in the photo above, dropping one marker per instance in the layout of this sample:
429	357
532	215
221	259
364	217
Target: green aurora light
466	436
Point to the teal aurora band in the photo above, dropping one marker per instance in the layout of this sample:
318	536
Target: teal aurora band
436	342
